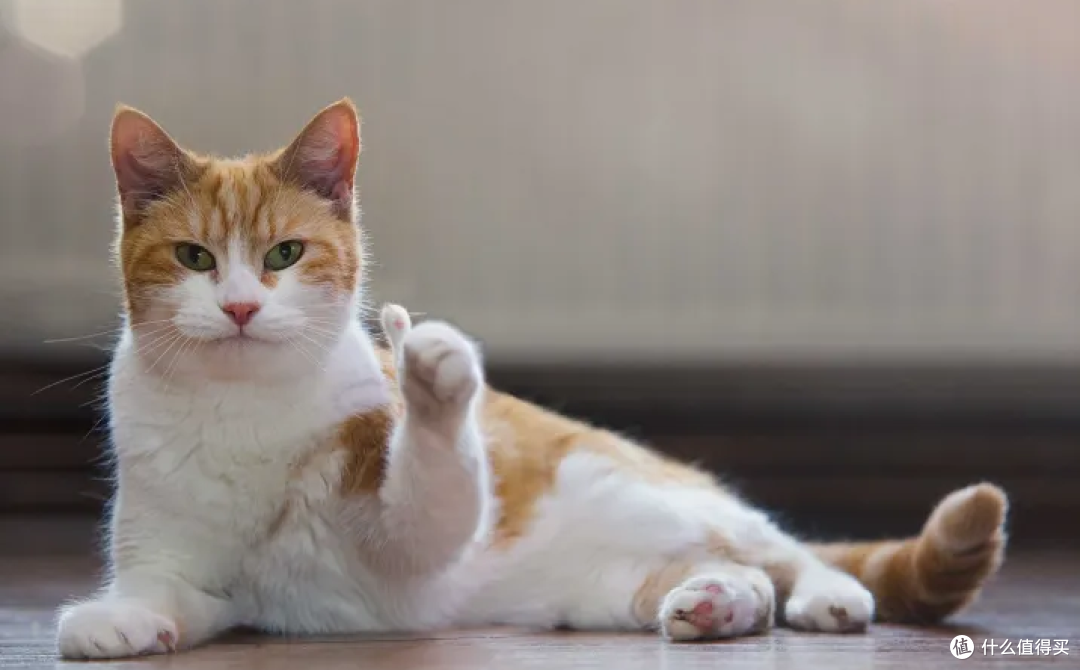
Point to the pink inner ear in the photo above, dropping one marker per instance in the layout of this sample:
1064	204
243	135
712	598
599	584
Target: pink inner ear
341	192
326	154
323	157
135	172
146	161
330	170
143	178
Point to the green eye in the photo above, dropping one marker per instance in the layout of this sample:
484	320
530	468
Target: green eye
194	257
284	255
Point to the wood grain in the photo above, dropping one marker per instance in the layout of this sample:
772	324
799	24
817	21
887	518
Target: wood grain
1037	596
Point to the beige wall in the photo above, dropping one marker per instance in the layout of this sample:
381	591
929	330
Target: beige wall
584	178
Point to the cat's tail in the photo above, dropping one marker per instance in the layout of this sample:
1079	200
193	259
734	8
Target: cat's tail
927	578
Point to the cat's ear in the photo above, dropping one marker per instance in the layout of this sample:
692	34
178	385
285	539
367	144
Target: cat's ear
323	157
147	162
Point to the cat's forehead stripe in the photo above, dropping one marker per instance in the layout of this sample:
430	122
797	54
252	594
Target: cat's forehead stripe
238	209
213	223
232	199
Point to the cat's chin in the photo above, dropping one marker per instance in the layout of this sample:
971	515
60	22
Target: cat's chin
239	340
246	358
248	348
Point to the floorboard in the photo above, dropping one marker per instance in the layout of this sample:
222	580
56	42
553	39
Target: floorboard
1037	596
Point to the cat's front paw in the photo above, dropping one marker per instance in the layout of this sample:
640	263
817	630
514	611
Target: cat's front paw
114	629
442	372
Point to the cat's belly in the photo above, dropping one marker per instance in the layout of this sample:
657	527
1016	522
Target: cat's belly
601	531
304	580
310	579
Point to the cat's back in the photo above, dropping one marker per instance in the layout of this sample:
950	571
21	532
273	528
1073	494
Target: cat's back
549	467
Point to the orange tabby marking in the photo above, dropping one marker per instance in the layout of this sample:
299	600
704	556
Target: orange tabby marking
210	200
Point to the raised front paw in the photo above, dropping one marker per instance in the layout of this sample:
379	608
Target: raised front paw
830	602
441	373
114	629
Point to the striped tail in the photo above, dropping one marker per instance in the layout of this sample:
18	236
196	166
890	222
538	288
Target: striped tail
925	579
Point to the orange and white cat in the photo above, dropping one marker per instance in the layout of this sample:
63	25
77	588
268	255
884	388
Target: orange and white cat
277	468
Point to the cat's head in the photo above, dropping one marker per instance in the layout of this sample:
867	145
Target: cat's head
238	268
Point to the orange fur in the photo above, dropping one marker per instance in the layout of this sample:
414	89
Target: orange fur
655	586
527	445
926	578
364	439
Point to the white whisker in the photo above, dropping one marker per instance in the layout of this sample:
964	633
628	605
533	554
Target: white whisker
306	354
315	342
169	371
172	341
94	372
112	331
315	328
152	344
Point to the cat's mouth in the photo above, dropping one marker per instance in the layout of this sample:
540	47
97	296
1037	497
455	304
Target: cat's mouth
239	338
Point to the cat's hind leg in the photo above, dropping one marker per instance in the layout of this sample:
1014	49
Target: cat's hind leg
682	600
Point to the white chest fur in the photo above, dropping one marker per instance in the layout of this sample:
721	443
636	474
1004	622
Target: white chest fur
207	473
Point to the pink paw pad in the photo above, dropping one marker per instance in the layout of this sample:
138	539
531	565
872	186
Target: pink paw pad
166	639
705	608
701	616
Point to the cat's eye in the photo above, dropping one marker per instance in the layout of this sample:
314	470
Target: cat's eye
194	257
284	255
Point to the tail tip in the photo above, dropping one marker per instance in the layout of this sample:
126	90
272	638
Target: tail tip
970	517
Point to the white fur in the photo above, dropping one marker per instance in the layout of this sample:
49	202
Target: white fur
823	592
211	526
396	323
734	606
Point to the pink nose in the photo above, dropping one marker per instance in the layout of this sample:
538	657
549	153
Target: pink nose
240	312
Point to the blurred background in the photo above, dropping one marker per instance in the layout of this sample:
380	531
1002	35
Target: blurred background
829	248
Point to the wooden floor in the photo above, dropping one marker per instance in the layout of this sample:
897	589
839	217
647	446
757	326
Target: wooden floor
1036	597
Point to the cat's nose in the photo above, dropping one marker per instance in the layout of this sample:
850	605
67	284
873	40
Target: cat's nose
240	312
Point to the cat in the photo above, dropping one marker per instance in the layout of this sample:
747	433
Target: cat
277	467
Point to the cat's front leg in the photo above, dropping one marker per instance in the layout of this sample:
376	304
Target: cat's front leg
139	613
436	497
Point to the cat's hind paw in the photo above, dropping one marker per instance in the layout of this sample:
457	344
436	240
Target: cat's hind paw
712	607
831	602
